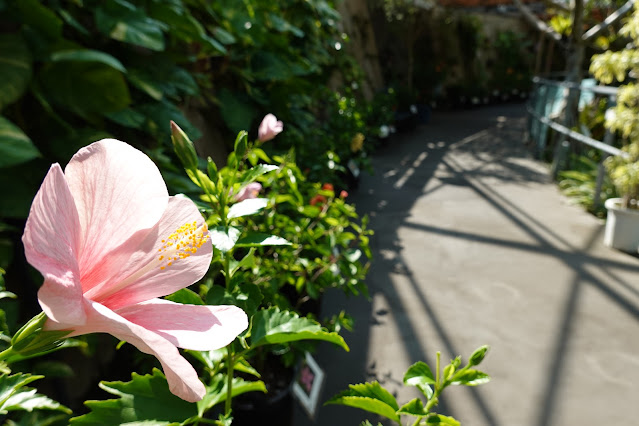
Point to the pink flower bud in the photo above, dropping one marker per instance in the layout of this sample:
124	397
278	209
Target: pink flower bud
269	128
251	190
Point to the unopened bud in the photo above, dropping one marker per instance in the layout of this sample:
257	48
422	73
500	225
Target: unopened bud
32	339
478	355
183	147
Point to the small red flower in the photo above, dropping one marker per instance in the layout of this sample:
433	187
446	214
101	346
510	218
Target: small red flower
318	199
328	187
343	194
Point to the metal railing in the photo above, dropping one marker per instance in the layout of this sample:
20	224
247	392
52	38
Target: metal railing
545	110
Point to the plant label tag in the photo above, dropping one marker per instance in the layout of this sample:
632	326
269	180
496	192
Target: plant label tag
308	383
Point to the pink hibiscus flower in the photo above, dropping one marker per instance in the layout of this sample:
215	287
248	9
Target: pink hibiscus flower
269	128
109	241
250	191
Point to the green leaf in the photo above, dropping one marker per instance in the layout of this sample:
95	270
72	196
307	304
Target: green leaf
283	26
7	295
159	78
202	180
470	377
247	207
223	239
15	145
237	111
438	419
258	239
64	146
272	326
9	385
247	261
87	55
245	295
419	375
369	397
255	172
145	400
39	17
127	23
15	68
223	36
186	297
127	117
414	407
241	143
216	393
160	114
85	88
29	400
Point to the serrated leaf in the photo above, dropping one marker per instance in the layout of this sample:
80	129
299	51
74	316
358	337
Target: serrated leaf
15	68
470	377
272	326
438	419
414	407
186	297
88	55
247	207
216	393
15	146
420	375
29	400
224	239
369	397
258	239
145	399
11	384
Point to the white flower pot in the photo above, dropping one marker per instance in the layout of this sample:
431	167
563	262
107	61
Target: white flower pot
622	227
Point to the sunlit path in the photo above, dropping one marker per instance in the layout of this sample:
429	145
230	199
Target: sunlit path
474	245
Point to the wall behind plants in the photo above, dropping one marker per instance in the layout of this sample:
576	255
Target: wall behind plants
458	54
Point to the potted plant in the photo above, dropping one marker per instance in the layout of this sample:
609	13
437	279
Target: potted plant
622	224
622	227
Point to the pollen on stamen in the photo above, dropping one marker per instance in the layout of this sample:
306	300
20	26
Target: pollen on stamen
182	243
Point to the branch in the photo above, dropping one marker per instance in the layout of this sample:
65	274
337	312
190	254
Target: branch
614	17
536	22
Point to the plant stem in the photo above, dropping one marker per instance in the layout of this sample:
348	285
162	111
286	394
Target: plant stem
6	353
437	372
229	378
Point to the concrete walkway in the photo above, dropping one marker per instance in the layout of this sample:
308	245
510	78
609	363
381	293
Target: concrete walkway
475	246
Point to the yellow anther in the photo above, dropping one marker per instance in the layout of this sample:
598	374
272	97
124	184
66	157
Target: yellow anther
182	243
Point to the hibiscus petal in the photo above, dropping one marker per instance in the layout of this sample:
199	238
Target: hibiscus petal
51	245
137	273
181	376
201	328
118	192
